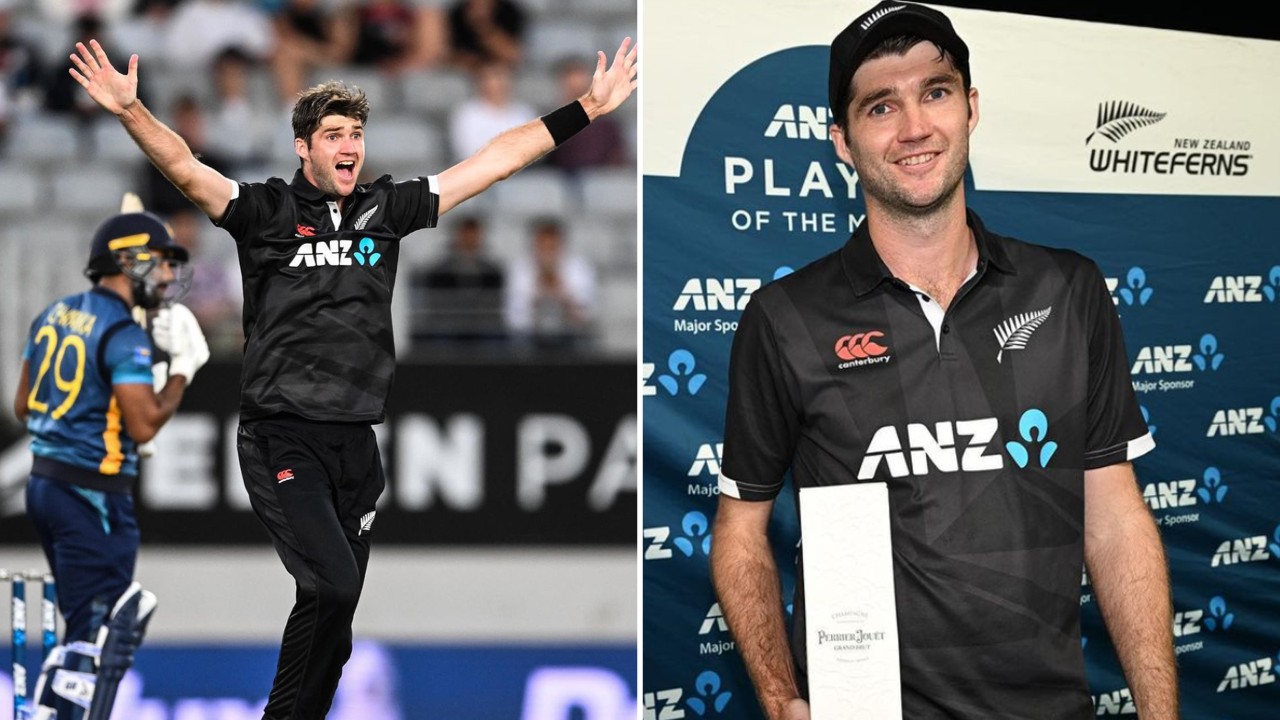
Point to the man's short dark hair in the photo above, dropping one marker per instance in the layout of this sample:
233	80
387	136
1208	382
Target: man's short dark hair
331	98
900	44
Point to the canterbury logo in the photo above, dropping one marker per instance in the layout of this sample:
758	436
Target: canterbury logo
879	14
860	346
364	219
1013	334
366	522
1117	119
284	475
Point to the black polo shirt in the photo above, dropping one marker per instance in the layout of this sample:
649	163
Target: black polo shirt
317	293
982	423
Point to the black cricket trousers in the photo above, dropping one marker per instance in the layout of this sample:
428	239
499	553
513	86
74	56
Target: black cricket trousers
314	486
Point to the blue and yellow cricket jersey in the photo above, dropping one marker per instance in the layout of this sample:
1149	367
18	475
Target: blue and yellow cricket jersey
80	347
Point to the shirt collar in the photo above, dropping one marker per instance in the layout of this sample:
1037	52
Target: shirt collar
865	269
112	295
304	188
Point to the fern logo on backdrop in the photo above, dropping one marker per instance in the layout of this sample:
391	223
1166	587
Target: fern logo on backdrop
1115	146
1117	119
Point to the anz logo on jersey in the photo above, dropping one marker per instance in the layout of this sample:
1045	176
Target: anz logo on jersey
337	252
954	446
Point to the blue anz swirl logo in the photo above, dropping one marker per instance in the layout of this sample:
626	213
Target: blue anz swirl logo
366	254
1034	429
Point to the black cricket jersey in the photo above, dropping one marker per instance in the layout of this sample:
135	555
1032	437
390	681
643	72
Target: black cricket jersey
981	420
317	293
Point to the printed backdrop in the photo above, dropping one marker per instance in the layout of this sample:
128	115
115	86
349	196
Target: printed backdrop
493	454
1136	147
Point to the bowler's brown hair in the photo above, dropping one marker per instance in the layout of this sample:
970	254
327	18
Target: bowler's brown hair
331	98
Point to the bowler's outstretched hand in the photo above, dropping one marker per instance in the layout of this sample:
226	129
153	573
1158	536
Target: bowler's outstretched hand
609	88
114	92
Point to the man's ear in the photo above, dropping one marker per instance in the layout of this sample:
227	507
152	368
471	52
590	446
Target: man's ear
842	148
973	109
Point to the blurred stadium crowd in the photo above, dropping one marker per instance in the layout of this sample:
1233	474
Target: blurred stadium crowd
545	262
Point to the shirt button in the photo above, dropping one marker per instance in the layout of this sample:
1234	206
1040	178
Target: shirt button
946	329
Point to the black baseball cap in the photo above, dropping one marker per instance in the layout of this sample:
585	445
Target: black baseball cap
869	29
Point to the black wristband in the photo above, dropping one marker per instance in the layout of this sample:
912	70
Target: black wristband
565	122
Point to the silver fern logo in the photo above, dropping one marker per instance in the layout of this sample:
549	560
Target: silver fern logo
1119	118
364	219
1186	154
366	522
879	14
1014	333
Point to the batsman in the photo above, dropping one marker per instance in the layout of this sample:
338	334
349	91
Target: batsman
90	391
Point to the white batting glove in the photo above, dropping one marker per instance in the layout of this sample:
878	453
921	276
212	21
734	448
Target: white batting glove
188	350
161	328
159	376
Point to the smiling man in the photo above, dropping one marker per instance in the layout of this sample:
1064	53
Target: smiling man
982	343
318	256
